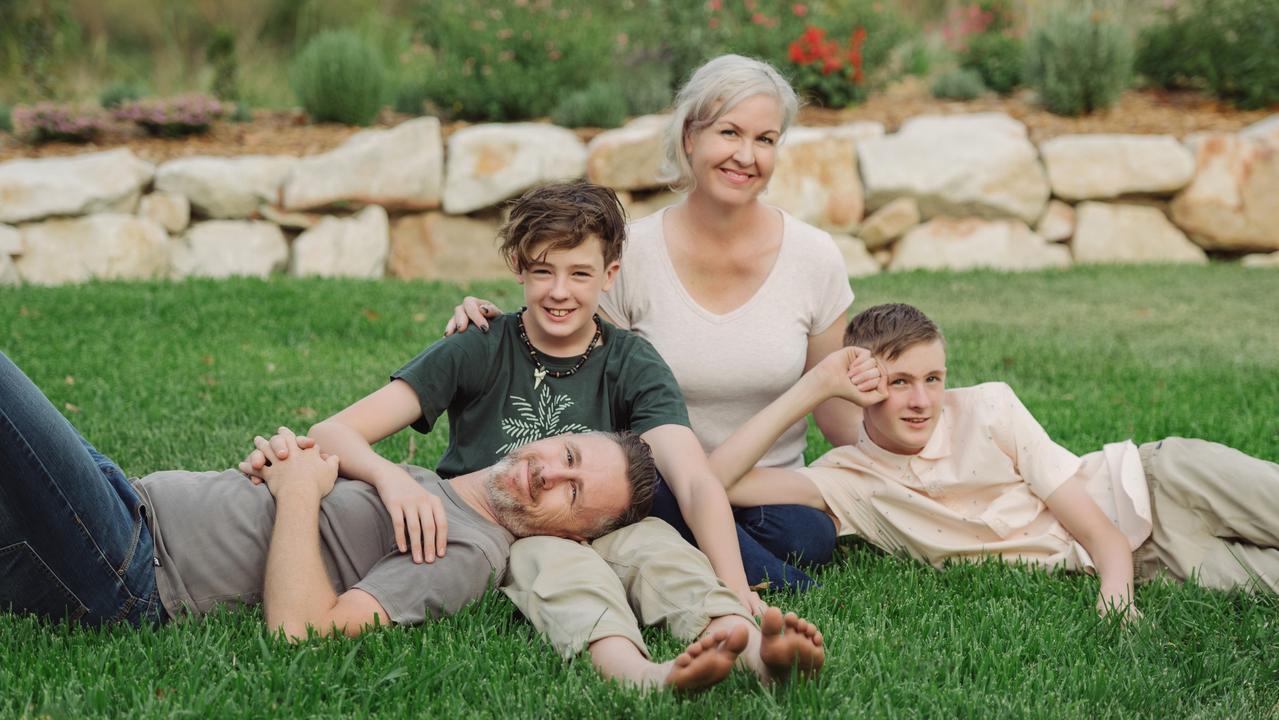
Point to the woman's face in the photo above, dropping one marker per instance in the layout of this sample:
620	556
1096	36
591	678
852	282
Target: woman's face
733	157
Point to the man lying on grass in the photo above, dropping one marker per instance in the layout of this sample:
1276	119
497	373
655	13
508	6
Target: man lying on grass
79	541
967	473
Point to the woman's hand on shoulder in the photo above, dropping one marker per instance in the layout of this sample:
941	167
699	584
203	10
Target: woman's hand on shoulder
472	310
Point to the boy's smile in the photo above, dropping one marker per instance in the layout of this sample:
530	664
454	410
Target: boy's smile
562	290
916	386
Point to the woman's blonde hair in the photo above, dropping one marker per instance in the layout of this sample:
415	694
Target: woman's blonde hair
714	89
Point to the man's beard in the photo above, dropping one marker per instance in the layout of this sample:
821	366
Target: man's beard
511	512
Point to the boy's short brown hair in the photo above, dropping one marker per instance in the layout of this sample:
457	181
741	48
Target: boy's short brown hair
889	330
564	215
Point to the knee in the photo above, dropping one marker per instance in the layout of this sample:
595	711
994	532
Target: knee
795	531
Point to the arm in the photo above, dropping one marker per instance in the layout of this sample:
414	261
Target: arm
702	502
1081	517
837	418
776	486
297	594
849	375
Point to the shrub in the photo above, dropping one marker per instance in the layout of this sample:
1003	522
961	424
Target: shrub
1170	52
647	88
220	55
1239	61
997	58
601	104
173	117
6	118
960	84
48	122
339	78
242	113
1079	60
116	94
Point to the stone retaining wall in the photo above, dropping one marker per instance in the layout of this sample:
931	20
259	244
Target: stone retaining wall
957	191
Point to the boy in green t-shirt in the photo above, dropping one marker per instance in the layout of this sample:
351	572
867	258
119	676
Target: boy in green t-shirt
555	367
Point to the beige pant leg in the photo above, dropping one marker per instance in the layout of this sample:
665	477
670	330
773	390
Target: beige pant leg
668	582
569	594
1216	513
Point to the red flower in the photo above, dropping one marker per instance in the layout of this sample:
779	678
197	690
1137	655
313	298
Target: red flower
799	9
714	5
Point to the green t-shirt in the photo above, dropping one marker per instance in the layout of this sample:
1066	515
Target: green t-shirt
485	382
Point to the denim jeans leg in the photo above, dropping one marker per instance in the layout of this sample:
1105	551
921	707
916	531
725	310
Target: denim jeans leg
799	534
74	542
760	564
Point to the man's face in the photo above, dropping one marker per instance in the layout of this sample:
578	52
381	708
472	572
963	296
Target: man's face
563	485
562	290
916	381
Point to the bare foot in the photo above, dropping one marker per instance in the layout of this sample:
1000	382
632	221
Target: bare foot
789	643
708	660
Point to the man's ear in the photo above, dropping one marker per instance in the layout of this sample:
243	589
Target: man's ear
610	274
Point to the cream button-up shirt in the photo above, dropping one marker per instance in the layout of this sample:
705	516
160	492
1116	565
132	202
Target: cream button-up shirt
978	487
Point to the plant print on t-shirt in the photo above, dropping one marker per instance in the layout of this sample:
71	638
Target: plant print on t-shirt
527	422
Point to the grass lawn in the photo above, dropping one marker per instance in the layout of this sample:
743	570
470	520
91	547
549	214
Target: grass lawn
163	375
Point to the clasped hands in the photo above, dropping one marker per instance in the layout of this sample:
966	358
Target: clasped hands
287	460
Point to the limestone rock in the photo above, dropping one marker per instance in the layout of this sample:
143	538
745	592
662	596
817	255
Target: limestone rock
1057	223
109	246
889	223
494	162
648	204
399	169
170	210
102	182
964	243
1106	232
10	241
1267	129
962	165
1233	202
862	130
350	247
1091	167
630	157
816	179
286	219
857	259
226	187
435	246
227	248
1260	260
8	271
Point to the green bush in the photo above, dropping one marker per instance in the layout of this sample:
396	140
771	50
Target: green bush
646	87
1240	61
1170	52
960	84
6	118
601	104
1079	60
117	94
339	78
997	58
220	54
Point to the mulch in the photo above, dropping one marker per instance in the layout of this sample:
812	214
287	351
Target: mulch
287	132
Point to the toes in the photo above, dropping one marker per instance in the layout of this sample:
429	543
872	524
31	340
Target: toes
771	623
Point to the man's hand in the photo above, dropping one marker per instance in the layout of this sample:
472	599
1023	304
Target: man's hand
853	374
301	466
417	516
472	310
255	461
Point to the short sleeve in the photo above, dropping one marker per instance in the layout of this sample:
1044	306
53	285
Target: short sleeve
410	592
440	371
652	396
613	303
1041	462
833	292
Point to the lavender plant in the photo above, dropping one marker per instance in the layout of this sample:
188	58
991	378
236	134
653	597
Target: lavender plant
174	117
51	122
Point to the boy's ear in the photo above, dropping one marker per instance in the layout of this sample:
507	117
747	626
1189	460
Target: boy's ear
516	270
610	274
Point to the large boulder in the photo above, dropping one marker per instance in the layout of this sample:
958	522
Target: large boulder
227	248
1091	167
1261	260
649	203
630	157
170	210
964	243
10	244
109	246
226	187
960	165
1233	202
1106	232
400	169
103	182
1057	223
816	179
491	163
889	223
435	246
858	261
1267	129
344	247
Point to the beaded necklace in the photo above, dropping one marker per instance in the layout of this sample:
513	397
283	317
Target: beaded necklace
539	370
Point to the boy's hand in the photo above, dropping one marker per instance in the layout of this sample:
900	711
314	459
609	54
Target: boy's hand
1117	600
255	461
854	374
301	466
417	516
472	310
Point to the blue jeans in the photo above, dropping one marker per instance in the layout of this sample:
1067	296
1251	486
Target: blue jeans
74	541
773	539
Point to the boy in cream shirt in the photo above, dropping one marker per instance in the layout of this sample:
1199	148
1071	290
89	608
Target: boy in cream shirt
967	473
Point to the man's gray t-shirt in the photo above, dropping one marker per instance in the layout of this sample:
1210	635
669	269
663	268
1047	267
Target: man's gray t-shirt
212	530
